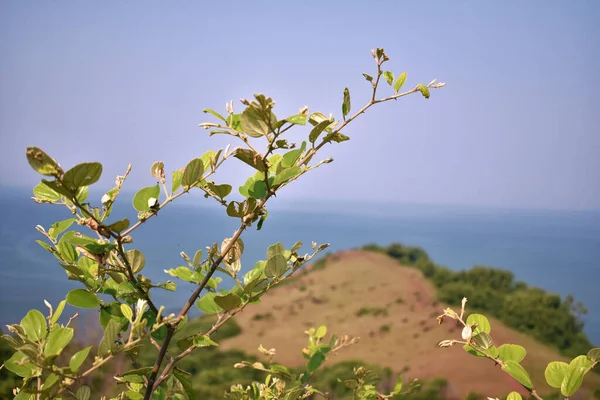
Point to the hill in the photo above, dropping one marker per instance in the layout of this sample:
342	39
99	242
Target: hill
368	294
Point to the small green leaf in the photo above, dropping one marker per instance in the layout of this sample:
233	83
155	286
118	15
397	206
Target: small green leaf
517	371
58	339
398	386
483	340
176	180
207	304
321	332
67	250
424	90
45	193
228	302
82	298
258	189
580	361
107	344
58	312
315	362
514	396
182	273
572	380
251	158
215	114
204	341
400	82
78	359
34	325
594	355
119	226
368	77
59	227
389	77
346	103
555	373
185	379
257	120
127	311
220	190
83	393
42	162
51	380
84	174
193	173
275	249
318	129
286	175
17	364
512	352
483	324
136	259
276	266
290	158
141	198
299	119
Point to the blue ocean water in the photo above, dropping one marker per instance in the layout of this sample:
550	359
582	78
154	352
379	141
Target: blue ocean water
555	250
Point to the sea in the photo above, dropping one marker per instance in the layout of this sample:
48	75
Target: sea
556	250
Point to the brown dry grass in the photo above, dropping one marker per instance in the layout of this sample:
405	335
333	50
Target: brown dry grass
356	279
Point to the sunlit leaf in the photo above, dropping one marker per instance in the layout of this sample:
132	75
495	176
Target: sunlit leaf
58	338
82	298
34	325
84	174
78	359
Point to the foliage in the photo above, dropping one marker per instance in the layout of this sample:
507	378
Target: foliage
477	341
545	316
97	250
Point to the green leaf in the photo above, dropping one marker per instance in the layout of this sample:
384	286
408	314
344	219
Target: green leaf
193	173
82	194
594	355
315	362
286	175
42	162
517	371
141	198
45	193
483	340
318	129
321	332
34	325
228	302
176	180
82	298
514	396
346	103
83	393
136	259
59	227
572	380
58	188
51	380
58	339
78	359
107	344
67	250
127	311
299	119
580	362
275	249
84	174
290	158
185	379
368	77
424	90
512	352
204	341
555	373
182	273
483	324
400	82
215	114
258	189
58	312
256	120
119	226
220	190
17	364
251	158
276	266
207	304
389	77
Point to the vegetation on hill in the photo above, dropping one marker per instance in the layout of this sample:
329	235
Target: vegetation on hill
545	316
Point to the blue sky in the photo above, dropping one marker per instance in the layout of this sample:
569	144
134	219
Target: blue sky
119	82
